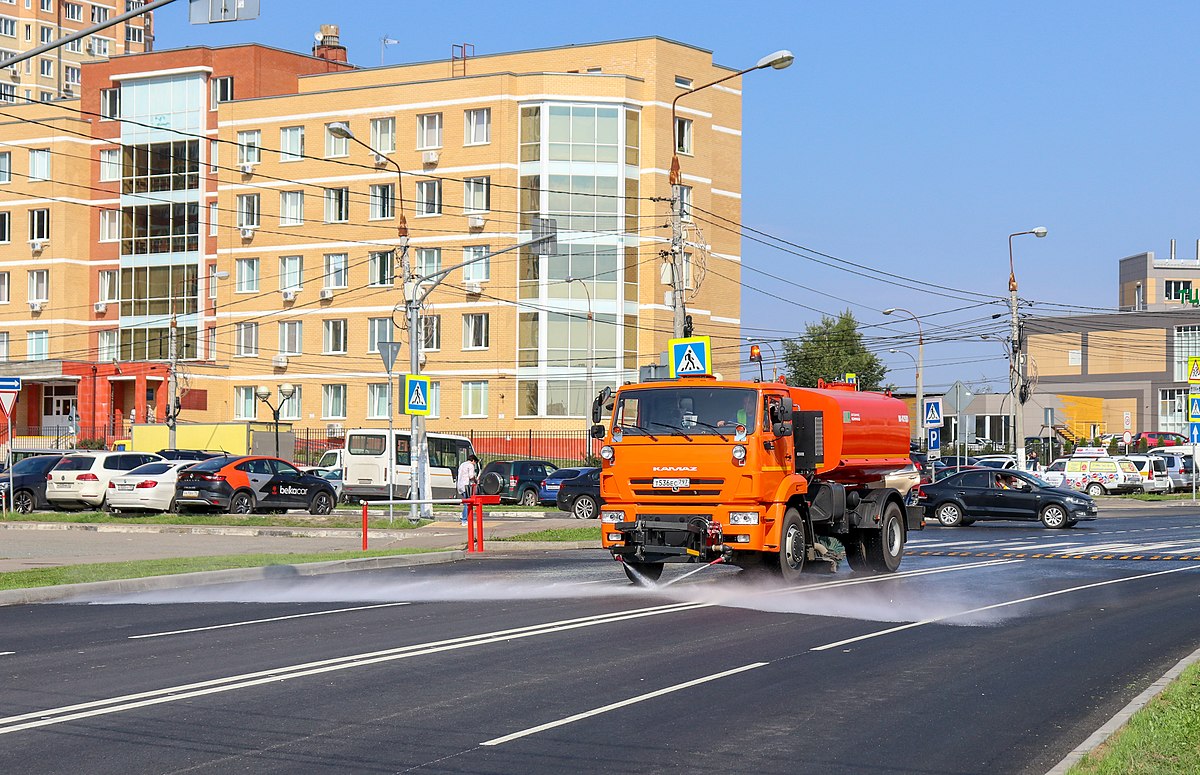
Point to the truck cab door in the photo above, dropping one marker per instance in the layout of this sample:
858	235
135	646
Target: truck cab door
778	460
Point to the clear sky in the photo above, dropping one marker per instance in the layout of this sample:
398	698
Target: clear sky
911	138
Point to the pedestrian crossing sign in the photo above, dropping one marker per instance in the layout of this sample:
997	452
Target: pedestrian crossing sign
416	394
1193	370
1193	408
690	356
933	412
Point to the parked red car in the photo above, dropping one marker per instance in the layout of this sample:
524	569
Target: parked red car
1161	439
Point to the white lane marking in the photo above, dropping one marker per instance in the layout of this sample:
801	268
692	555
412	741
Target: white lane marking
6	653
994	606
622	704
229	683
264	621
1044	547
948	543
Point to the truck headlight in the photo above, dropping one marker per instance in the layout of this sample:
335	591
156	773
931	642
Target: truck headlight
615	537
607	453
739	452
612	516
743	517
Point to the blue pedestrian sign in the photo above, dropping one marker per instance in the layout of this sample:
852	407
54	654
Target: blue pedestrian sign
690	357
1195	433
932	412
1193	408
10	383
416	394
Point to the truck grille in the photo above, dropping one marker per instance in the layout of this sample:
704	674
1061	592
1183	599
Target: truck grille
700	488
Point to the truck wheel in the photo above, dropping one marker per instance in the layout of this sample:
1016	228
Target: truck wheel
949	515
529	498
23	501
856	554
792	547
1094	489
241	503
584	507
643	574
885	547
1054	516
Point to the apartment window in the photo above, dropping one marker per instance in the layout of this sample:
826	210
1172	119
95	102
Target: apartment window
429	131
46	34
475	331
8	92
335	145
46	68
1173	410
291	273
685	202
337	205
683	135
110	164
379	400
211	352
333	402
173	166
333	339
222	90
429	261
430	327
477	195
475	399
212	281
245	404
134	34
246	339
99	46
291	337
106	346
214	151
108	286
1173	289
289	408
383	203
5	226
435	399
5	289
478	129
75	46
246	275
481	270
71	75
99	14
291	208
1187	345
335	270
383	134
682	82
213	219
8	27
291	143
40	284
110	225
429	197
381	268
6	167
39	163
248	211
378	330
110	104
4	345
39	224
38	345
249	146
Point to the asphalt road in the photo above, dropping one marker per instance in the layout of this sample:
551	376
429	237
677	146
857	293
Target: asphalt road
980	656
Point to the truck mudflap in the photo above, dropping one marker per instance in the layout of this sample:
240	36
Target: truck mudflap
660	538
915	517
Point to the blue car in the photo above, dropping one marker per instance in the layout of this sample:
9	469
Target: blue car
548	492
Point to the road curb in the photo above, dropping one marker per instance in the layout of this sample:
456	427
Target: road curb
498	545
67	592
1116	722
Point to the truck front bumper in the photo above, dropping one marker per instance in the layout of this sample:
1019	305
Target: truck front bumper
660	538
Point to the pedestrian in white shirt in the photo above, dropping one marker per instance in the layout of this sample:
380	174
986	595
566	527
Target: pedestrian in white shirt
468	474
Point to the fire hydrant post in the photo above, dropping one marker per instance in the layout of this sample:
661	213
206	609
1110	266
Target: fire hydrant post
364	526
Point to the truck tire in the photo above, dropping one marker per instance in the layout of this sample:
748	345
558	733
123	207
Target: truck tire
642	574
884	548
793	548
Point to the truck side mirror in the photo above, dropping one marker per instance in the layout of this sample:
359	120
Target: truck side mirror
597	431
785	409
781	429
601	399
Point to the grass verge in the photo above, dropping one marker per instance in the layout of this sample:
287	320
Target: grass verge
1162	738
225	520
109	571
1144	496
559	534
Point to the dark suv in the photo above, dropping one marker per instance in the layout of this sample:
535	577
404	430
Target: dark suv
515	481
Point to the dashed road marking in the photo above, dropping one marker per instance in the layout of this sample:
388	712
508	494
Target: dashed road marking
1087	554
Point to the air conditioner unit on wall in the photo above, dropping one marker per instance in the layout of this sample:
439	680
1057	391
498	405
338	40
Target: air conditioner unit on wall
247	232
473	288
37	245
279	362
326	294
100	307
335	429
475	221
429	157
380	159
35	306
289	295
247	168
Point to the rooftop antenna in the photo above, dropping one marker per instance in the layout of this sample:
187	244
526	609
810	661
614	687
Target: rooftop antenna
384	42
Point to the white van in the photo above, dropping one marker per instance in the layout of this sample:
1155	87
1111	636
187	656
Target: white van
365	473
333	459
1101	475
1153	470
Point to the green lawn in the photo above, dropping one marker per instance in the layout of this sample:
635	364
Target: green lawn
1162	738
591	533
108	571
337	519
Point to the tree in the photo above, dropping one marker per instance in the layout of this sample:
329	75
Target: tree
829	350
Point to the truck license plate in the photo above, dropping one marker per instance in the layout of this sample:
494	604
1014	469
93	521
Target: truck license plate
672	484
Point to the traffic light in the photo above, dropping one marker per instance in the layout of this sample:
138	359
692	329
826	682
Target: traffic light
687	325
755	354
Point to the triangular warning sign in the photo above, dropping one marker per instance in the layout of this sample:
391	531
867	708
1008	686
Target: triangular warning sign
416	398
1194	373
7	400
932	415
689	363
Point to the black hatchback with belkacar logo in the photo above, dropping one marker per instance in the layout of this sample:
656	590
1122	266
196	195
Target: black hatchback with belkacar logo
242	485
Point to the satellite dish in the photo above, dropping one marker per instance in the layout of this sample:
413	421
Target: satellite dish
318	36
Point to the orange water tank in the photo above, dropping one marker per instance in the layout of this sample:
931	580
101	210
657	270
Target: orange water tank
866	435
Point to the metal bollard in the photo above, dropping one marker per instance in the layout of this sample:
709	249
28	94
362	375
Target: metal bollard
364	526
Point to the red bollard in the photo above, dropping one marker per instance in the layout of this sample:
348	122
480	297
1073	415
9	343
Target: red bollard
479	533
364	527
470	502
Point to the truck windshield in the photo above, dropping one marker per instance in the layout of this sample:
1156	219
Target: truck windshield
693	411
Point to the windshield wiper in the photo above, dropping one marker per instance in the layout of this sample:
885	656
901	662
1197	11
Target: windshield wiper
680	431
623	429
706	425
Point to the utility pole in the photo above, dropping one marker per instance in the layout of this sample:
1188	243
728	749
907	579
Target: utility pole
1015	359
677	304
173	383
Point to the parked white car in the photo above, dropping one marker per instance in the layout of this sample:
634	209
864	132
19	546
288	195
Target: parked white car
1153	470
149	487
1101	475
1054	473
82	479
997	461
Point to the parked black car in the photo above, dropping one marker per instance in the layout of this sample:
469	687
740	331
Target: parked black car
28	477
188	454
581	495
515	481
962	498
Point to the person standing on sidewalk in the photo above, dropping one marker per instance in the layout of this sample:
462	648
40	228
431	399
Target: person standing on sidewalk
468	475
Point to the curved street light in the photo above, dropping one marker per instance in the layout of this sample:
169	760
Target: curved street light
920	361
1014	365
263	393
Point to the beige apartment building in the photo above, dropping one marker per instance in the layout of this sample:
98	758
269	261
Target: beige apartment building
28	24
215	191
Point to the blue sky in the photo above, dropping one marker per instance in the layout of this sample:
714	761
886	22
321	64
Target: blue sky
907	137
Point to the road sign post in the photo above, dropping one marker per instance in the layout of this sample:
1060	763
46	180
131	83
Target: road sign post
388	352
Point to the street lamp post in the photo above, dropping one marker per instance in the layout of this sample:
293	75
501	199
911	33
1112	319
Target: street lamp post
1015	362
778	60
591	357
286	391
920	366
